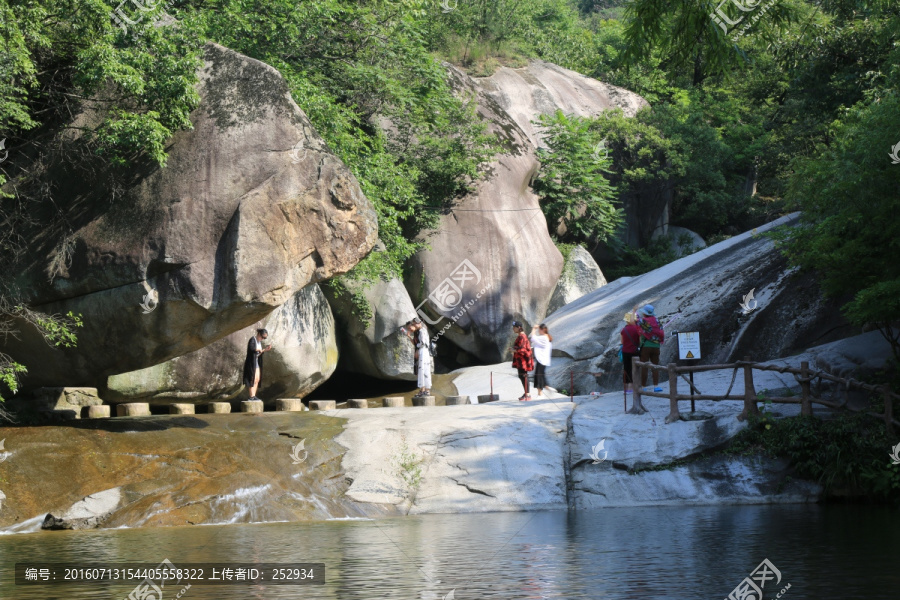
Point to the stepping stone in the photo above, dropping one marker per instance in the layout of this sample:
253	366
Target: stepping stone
393	402
423	401
219	408
357	403
98	412
322	404
457	400
251	406
488	398
289	405
181	409
133	409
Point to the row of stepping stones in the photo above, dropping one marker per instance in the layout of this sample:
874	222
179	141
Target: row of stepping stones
142	409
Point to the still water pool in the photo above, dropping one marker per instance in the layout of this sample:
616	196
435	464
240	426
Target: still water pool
833	552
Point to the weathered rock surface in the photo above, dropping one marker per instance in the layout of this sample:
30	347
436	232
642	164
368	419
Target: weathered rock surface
87	513
542	88
500	229
702	292
580	275
683	241
376	348
304	355
251	208
179	470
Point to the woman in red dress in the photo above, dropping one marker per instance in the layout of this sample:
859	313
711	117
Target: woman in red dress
523	358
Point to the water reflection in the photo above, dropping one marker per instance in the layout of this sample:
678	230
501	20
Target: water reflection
621	554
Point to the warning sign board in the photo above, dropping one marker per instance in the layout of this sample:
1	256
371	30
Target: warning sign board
688	344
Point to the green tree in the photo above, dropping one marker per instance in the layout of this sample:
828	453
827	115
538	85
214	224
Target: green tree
572	183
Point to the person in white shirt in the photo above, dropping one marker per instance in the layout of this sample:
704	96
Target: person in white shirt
423	359
542	343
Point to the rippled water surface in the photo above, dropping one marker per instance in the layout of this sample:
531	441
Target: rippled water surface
662	552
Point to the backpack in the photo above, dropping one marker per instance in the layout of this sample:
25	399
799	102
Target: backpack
621	358
432	348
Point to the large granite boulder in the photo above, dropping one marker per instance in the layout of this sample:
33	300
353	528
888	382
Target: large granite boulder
491	261
303	357
251	208
513	266
375	347
701	292
683	241
581	275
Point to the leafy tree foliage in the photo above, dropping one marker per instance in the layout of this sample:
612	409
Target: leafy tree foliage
575	193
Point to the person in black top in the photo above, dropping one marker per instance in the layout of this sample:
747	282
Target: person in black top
253	362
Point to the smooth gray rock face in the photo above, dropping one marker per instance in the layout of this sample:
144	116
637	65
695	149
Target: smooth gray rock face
304	356
513	265
702	292
684	241
376	348
580	275
87	513
251	208
542	88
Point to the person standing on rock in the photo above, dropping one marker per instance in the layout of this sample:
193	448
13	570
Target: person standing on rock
424	362
253	362
631	340
542	343
652	337
523	357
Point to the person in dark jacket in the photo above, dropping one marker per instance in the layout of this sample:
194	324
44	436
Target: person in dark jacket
253	362
523	359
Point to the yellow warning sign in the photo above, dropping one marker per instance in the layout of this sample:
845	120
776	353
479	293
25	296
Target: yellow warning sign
690	354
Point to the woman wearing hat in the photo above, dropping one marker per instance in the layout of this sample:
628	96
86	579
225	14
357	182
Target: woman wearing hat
652	337
631	339
523	359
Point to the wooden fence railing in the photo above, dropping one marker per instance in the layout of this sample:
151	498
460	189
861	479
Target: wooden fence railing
804	375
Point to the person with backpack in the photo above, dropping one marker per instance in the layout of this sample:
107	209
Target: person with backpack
631	340
523	357
424	362
652	337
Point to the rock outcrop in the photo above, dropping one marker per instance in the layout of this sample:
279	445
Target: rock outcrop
376	347
702	292
304	355
683	241
580	275
491	260
251	208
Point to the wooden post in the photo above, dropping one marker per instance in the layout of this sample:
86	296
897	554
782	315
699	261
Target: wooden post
674	415
636	407
888	410
750	407
805	404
